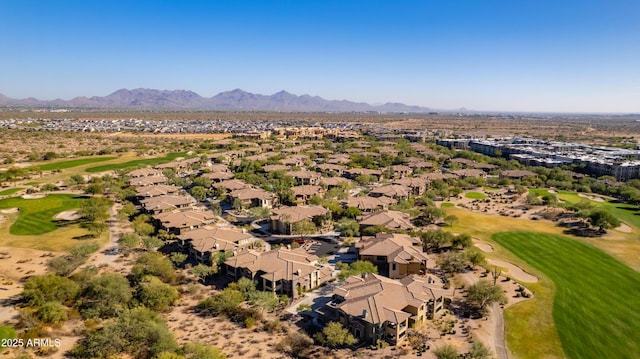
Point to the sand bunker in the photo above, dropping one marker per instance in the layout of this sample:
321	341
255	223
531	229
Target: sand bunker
10	210
67	216
34	196
514	271
623	228
593	198
484	246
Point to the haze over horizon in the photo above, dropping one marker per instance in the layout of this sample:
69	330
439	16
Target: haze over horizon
574	56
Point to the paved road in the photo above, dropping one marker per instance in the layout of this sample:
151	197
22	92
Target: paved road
499	340
316	298
501	349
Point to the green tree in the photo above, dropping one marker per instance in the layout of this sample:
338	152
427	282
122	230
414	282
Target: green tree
303	227
357	268
264	301
462	241
139	332
452	262
105	296
141	225
259	212
128	209
226	302
430	215
94	189
475	257
335	335
245	286
178	258
364	179
434	240
352	212
151	242
49	288
155	264
204	182
603	220
482	294
199	192
348	228
95	212
129	240
154	294
202	271
51	313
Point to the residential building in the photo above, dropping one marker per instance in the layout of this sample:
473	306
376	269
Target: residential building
254	197
204	242
283	218
375	308
369	204
304	193
395	255
166	203
392	190
156	190
178	222
395	220
281	271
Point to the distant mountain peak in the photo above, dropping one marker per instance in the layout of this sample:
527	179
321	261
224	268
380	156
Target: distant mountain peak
237	99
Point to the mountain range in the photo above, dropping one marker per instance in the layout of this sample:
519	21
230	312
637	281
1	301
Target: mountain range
236	100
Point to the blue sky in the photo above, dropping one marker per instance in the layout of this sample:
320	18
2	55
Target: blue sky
524	55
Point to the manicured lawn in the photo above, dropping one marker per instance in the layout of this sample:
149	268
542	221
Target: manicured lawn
138	163
596	301
72	163
447	205
627	213
491	188
9	191
36	215
32	183
7	332
475	195
539	191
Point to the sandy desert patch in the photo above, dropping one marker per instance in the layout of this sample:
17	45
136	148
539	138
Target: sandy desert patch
514	271
67	216
34	196
624	228
483	246
593	198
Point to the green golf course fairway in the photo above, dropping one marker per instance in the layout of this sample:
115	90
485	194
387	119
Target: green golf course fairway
10	191
596	307
72	163
36	215
138	163
475	195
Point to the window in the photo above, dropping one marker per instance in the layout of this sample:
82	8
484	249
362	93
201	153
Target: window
381	258
393	266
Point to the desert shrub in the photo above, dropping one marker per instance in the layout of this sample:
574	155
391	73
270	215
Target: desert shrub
140	333
39	290
51	313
